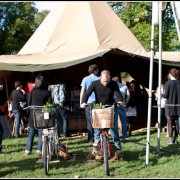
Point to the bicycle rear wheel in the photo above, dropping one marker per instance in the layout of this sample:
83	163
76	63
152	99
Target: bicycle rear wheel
105	155
46	155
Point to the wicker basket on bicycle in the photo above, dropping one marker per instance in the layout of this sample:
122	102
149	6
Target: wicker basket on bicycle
44	118
103	118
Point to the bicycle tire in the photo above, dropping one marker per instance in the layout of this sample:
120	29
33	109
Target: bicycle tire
45	155
105	155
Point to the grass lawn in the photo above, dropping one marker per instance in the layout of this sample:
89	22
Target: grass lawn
164	165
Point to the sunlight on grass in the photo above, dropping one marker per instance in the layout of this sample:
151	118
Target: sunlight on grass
164	165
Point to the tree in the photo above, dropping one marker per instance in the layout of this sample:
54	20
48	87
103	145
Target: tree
39	17
15	25
137	17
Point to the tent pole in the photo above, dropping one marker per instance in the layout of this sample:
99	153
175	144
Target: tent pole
160	77
150	95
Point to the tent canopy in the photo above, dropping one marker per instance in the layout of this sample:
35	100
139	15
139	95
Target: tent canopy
76	32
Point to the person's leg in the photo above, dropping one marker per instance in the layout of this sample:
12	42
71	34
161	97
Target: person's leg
30	140
64	116
130	121
17	116
115	135
170	129
176	129
89	123
1	135
122	113
39	147
59	122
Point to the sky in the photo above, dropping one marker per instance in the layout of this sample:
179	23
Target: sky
45	5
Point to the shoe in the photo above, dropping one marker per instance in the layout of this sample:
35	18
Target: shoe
96	150
15	135
26	154
118	155
175	141
1	152
170	140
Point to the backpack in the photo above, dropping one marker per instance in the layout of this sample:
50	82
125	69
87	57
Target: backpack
58	93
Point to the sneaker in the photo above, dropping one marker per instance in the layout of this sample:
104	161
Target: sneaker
170	140
15	135
118	155
26	153
96	149
175	140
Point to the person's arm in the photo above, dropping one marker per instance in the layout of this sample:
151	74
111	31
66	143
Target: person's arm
83	90
166	94
118	94
127	96
87	94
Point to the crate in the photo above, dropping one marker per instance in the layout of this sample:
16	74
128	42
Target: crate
103	118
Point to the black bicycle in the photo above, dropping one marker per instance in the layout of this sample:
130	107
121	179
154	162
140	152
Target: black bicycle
45	120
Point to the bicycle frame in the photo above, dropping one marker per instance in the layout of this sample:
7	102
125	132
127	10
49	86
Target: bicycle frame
104	132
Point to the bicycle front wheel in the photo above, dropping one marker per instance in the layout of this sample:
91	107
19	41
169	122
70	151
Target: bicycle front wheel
105	154
46	155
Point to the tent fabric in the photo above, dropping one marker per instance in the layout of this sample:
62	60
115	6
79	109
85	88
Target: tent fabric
73	33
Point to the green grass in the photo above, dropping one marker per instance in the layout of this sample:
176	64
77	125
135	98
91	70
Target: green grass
164	165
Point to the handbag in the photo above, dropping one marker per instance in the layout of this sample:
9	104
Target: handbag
131	111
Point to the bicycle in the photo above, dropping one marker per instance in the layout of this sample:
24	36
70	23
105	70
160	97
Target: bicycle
45	120
103	119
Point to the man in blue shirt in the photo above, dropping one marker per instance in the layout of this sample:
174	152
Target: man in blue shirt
86	82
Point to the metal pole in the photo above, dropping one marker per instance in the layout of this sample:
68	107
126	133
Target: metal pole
175	18
150	95
160	76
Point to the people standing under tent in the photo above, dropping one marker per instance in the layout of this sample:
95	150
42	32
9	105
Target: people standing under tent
121	110
17	96
105	90
172	108
39	96
86	82
132	105
3	113
163	102
60	97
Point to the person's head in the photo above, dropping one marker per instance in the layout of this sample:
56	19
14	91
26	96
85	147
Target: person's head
40	82
116	79
18	85
132	85
93	69
173	73
105	76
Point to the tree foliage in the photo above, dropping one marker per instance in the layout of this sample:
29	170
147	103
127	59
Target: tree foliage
138	15
15	25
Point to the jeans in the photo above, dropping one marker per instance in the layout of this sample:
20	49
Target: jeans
89	123
121	110
17	115
179	122
114	134
29	145
1	134
62	124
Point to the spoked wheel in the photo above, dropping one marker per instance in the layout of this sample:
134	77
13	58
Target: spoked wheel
105	154
46	155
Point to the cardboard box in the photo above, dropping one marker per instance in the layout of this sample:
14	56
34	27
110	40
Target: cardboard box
103	118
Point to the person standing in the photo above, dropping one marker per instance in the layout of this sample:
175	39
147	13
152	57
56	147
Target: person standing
17	96
3	113
105	90
132	105
172	112
39	95
121	110
86	82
